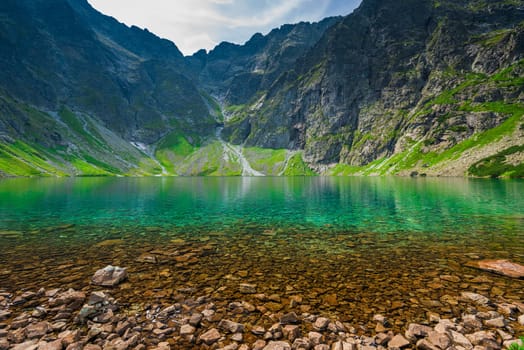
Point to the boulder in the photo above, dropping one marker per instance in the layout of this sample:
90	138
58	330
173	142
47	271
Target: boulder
109	276
501	267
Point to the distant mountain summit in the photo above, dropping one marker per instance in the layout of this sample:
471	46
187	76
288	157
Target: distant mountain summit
397	87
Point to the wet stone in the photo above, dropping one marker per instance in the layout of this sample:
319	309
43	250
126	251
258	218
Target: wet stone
321	323
315	338
417	331
238	337
301	344
53	345
195	319
321	347
230	326
382	338
28	345
471	322
4	314
291	332
398	341
460	340
4	344
289	318
259	344
423	344
187	329
147	258
450	278
90	347
246	288
502	267
440	340
475	298
498	322
109	276
37	330
210	337
483	338
277	345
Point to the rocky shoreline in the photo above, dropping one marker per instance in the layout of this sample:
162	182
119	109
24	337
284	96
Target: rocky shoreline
55	319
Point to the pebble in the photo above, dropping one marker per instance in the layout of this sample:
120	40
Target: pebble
246	288
201	322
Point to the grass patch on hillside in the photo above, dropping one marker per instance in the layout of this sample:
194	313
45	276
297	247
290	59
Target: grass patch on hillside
208	160
173	148
21	159
77	127
266	160
497	166
297	167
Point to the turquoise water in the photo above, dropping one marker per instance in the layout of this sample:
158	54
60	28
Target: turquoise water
351	247
371	204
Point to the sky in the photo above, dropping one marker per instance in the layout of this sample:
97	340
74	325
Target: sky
202	24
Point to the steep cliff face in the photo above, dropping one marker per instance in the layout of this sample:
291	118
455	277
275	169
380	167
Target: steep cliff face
236	73
59	55
400	87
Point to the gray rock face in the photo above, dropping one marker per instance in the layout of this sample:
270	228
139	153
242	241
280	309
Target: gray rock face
375	85
109	276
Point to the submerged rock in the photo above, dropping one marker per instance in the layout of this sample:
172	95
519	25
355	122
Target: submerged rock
109	276
501	267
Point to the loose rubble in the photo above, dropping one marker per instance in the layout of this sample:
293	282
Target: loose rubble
72	319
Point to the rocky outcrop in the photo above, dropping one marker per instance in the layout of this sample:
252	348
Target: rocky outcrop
399	81
398	87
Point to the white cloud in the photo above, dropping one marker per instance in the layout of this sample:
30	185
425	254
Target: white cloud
197	24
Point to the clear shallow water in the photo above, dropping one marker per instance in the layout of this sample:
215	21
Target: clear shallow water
349	246
371	204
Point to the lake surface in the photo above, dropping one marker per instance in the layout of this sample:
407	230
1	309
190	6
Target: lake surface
349	247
